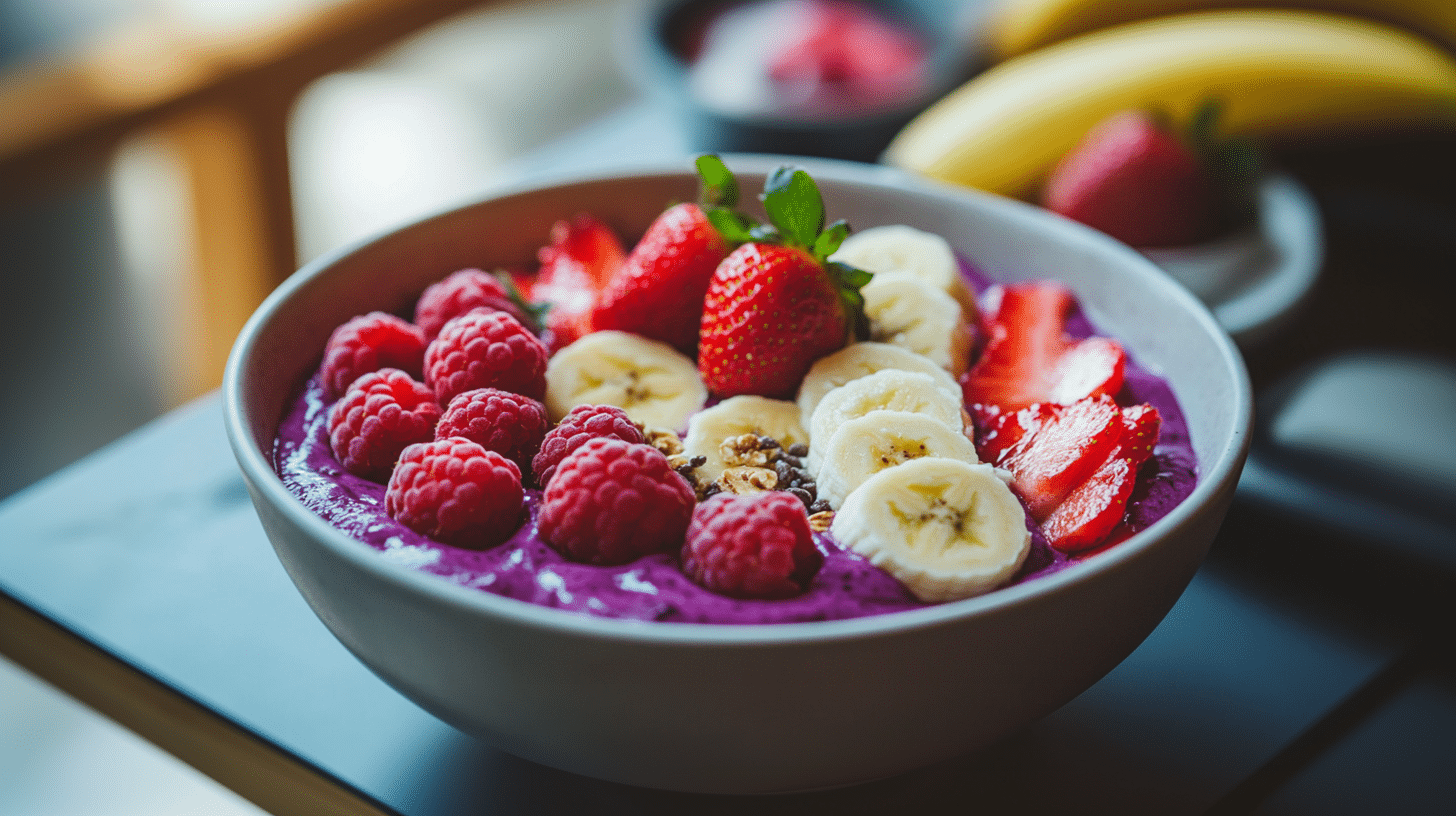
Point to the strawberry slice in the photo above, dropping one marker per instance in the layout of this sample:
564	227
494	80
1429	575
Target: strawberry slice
1060	447
1094	509
998	432
1029	358
583	256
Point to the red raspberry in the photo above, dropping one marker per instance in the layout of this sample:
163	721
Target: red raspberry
611	502
753	546
458	294
456	492
485	349
509	424
368	343
381	414
583	423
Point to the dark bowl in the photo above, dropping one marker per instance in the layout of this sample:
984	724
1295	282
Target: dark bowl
659	37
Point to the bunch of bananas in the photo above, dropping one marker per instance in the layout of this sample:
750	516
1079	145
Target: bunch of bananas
1281	74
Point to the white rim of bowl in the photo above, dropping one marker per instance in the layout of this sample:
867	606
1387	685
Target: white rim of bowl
1214	476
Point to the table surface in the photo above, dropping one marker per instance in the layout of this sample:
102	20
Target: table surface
1308	668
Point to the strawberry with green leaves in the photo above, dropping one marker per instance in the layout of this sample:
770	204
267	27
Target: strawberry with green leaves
1142	181
658	292
776	304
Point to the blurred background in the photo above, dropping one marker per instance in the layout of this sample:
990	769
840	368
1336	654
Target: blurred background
165	163
137	231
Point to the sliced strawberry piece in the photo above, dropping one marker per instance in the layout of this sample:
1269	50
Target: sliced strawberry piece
658	292
583	256
1051	460
1090	512
1092	366
1141	424
1094	509
998	432
1029	358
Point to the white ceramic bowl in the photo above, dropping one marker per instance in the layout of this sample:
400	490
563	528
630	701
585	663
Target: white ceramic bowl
761	708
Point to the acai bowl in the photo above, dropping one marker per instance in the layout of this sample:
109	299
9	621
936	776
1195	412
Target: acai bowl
743	707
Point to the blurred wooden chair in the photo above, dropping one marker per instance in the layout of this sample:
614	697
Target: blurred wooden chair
221	98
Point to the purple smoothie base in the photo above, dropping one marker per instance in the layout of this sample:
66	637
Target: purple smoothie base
654	587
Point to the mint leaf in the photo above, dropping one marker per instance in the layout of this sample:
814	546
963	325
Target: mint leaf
794	205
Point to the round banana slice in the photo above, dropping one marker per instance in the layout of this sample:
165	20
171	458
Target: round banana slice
860	360
945	529
888	390
710	430
864	446
897	248
910	313
655	384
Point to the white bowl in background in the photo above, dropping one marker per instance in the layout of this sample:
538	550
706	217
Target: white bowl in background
1255	280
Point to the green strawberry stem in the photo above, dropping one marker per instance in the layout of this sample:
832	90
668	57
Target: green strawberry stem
796	209
1234	162
536	312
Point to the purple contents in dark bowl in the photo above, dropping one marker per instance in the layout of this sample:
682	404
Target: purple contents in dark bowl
654	587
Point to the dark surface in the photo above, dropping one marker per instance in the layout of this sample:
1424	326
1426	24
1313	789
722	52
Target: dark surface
1306	670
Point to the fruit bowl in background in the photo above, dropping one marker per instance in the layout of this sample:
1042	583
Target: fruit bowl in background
1253	280
725	106
743	708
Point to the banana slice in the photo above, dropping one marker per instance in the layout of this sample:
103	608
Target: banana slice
864	446
945	529
860	360
910	313
901	249
888	390
732	418
655	384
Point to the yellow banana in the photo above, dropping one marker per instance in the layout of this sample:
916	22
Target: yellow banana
1014	27
1280	74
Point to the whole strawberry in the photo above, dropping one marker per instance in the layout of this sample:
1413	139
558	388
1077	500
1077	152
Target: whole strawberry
658	292
775	304
1136	179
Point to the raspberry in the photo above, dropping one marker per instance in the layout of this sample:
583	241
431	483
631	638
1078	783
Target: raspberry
583	423
456	492
612	501
751	546
368	343
485	349
509	424
458	294
383	412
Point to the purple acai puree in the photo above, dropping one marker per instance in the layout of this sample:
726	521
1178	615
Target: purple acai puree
654	587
